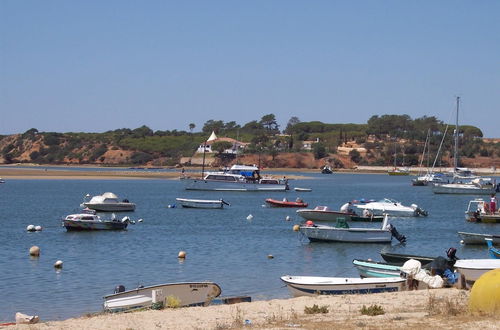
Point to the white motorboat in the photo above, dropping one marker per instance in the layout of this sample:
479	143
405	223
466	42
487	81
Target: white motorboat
472	269
474	238
480	210
478	186
343	233
202	203
322	213
86	221
236	178
430	178
184	294
315	285
107	202
392	208
302	189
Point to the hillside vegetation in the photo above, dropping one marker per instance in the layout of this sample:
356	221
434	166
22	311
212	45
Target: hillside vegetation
342	145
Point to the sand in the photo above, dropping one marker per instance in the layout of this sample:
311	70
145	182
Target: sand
440	308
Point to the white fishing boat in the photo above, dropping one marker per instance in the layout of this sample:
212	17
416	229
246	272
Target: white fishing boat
472	269
475	238
480	210
302	189
343	233
236	178
185	294
86	221
392	208
315	285
107	202
202	203
322	213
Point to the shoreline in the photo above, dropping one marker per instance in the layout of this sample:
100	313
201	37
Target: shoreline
445	308
60	172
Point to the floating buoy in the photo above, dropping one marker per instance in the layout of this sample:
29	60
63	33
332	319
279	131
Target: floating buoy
485	293
34	251
288	218
249	217
140	220
462	242
270	256
181	255
58	264
30	228
38	228
296	227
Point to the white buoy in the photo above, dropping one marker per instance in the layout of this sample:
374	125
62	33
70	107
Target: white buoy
288	218
34	251
249	217
30	228
38	228
181	255
58	264
140	220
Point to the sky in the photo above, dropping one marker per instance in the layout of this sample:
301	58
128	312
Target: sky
94	66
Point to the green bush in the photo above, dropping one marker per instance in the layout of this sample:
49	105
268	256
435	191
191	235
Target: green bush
372	310
315	309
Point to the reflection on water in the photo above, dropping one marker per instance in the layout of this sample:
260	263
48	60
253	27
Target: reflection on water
221	245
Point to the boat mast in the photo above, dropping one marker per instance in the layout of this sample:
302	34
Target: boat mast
203	165
455	157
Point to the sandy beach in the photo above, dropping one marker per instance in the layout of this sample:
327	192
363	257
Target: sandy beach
439	308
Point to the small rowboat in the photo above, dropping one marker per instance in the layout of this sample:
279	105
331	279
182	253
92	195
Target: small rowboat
400	259
472	269
302	189
286	203
313	286
202	203
475	238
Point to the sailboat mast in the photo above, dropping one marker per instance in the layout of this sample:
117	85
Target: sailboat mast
455	158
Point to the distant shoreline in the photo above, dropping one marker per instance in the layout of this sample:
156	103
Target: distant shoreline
34	172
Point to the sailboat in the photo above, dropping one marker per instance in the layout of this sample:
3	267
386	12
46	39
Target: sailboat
430	176
396	170
463	185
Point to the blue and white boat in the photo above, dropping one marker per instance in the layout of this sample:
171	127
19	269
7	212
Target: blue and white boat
315	285
494	252
236	178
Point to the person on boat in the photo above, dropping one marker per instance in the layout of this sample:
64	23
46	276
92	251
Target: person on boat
493	204
299	200
346	208
367	213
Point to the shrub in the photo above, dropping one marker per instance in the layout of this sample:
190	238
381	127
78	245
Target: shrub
372	310
315	309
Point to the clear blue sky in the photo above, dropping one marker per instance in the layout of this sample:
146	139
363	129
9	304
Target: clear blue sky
93	66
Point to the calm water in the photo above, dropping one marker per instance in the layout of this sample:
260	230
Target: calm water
221	245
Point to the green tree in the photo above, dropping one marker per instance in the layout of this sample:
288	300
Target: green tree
319	150
221	146
269	123
291	123
355	155
191	127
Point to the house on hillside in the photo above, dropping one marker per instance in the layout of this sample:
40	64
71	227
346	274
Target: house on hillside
237	146
308	144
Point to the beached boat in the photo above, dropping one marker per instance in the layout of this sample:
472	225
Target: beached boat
86	221
315	285
107	202
472	269
202	203
322	213
286	203
326	170
236	178
475	238
343	233
493	251
479	210
184	294
302	189
400	259
392	208
368	268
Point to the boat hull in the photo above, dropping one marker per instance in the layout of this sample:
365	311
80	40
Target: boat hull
368	268
201	203
394	212
375	218
473	238
472	269
462	189
400	259
187	294
316	215
114	207
484	218
75	225
278	203
313	286
351	235
208	185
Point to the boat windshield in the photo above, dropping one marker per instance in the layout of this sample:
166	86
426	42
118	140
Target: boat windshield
388	200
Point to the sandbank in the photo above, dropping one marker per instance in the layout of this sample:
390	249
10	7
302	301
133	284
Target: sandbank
439	308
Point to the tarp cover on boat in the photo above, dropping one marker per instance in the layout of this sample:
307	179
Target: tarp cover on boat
413	269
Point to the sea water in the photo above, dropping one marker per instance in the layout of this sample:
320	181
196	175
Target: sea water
222	245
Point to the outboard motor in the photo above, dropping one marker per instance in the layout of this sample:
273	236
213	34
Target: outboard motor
397	235
119	288
126	201
418	210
